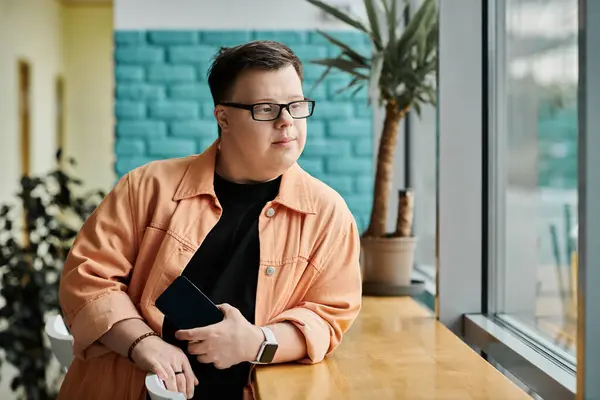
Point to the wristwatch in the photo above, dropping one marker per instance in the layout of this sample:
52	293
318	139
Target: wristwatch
268	348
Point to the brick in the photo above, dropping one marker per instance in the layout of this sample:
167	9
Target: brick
139	55
306	52
327	147
363	110
140	91
171	110
315	93
362	221
313	72
126	164
313	166
170	147
149	129
341	184
205	143
129	73
125	109
193	128
349	37
202	71
359	203
363	147
364	184
190	91
226	38
315	129
333	110
173	37
208	109
191	54
348	165
130	147
286	37
337	77
171	73
351	127
129	37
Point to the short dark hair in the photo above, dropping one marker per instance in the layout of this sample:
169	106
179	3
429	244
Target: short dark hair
230	62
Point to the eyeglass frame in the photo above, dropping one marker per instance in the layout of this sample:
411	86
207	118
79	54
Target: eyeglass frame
250	107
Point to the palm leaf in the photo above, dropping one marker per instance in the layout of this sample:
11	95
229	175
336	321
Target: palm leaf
374	22
417	107
344	65
399	70
339	15
432	38
346	49
414	26
391	18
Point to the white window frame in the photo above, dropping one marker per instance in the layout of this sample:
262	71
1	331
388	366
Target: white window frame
463	272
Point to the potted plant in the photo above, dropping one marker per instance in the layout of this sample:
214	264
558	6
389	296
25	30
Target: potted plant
400	76
35	237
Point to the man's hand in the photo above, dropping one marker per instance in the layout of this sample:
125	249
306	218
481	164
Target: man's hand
230	342
166	360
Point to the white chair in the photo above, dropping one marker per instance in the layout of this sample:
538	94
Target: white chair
61	340
158	391
61	343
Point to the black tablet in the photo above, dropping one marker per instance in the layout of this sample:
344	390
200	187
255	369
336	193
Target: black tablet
186	306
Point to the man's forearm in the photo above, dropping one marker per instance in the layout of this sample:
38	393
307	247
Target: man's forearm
292	344
123	333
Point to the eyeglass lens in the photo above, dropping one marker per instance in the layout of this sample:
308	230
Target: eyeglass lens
297	109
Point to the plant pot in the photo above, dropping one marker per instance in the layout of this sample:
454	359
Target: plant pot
387	262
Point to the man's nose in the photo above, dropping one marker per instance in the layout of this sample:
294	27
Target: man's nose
285	118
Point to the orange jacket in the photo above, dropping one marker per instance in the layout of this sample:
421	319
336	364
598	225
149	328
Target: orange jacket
148	228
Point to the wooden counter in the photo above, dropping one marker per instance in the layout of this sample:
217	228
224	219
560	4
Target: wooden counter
395	350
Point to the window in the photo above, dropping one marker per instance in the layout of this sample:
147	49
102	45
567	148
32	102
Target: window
533	152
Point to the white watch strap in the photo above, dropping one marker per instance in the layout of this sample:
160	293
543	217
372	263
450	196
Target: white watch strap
269	335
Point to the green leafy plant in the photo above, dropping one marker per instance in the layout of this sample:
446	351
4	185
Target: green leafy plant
35	238
399	74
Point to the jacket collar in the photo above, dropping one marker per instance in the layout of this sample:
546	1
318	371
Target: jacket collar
294	191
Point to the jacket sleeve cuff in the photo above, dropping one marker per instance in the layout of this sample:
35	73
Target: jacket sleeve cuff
315	329
95	319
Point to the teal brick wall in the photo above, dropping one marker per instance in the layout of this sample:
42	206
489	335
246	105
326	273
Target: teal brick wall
163	105
557	135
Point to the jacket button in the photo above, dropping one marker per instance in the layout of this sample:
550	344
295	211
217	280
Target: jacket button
270	212
270	271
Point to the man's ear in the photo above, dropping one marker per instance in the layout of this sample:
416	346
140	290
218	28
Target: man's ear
221	117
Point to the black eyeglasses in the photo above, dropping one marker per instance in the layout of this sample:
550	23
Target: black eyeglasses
271	111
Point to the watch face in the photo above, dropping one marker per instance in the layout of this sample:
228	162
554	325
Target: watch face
268	353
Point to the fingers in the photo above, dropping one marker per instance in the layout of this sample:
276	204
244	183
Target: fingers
204	359
171	382
190	379
160	372
227	309
195	334
181	384
197	348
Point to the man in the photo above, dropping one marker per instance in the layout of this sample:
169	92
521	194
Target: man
277	250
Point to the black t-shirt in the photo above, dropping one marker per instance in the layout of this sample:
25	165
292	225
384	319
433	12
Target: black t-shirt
225	268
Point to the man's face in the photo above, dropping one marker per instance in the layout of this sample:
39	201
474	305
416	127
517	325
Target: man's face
262	149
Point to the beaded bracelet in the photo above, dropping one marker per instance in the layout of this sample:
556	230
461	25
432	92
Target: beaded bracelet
136	341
